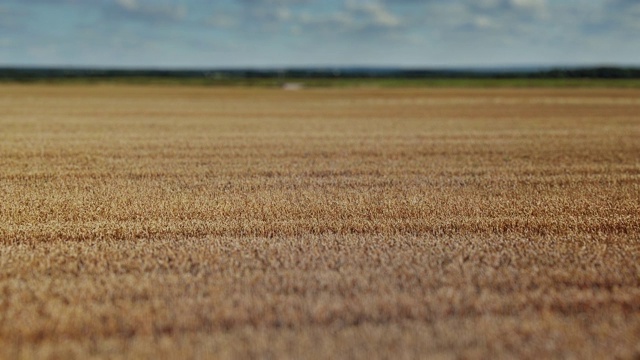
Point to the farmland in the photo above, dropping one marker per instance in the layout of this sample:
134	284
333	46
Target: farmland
173	221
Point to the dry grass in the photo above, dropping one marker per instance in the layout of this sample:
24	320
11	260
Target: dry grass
168	222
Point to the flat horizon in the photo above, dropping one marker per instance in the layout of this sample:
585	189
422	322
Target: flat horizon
347	67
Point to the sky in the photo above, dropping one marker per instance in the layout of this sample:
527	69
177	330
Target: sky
325	33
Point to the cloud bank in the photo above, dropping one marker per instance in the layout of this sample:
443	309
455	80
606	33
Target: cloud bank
200	33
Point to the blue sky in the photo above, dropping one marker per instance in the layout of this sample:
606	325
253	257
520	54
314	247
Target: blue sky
281	33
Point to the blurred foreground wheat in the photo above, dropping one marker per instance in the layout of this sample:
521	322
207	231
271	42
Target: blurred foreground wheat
175	221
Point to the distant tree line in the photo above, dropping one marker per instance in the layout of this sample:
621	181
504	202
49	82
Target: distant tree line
568	73
35	74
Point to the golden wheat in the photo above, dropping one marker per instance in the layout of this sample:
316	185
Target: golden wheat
167	222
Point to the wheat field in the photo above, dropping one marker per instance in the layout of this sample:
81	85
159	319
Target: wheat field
185	222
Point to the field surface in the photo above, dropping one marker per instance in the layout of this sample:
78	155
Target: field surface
173	222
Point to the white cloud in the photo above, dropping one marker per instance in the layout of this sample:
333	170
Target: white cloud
487	4
129	4
374	12
538	5
152	11
335	21
355	16
283	14
484	23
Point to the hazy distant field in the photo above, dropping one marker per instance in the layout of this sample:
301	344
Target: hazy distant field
168	222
